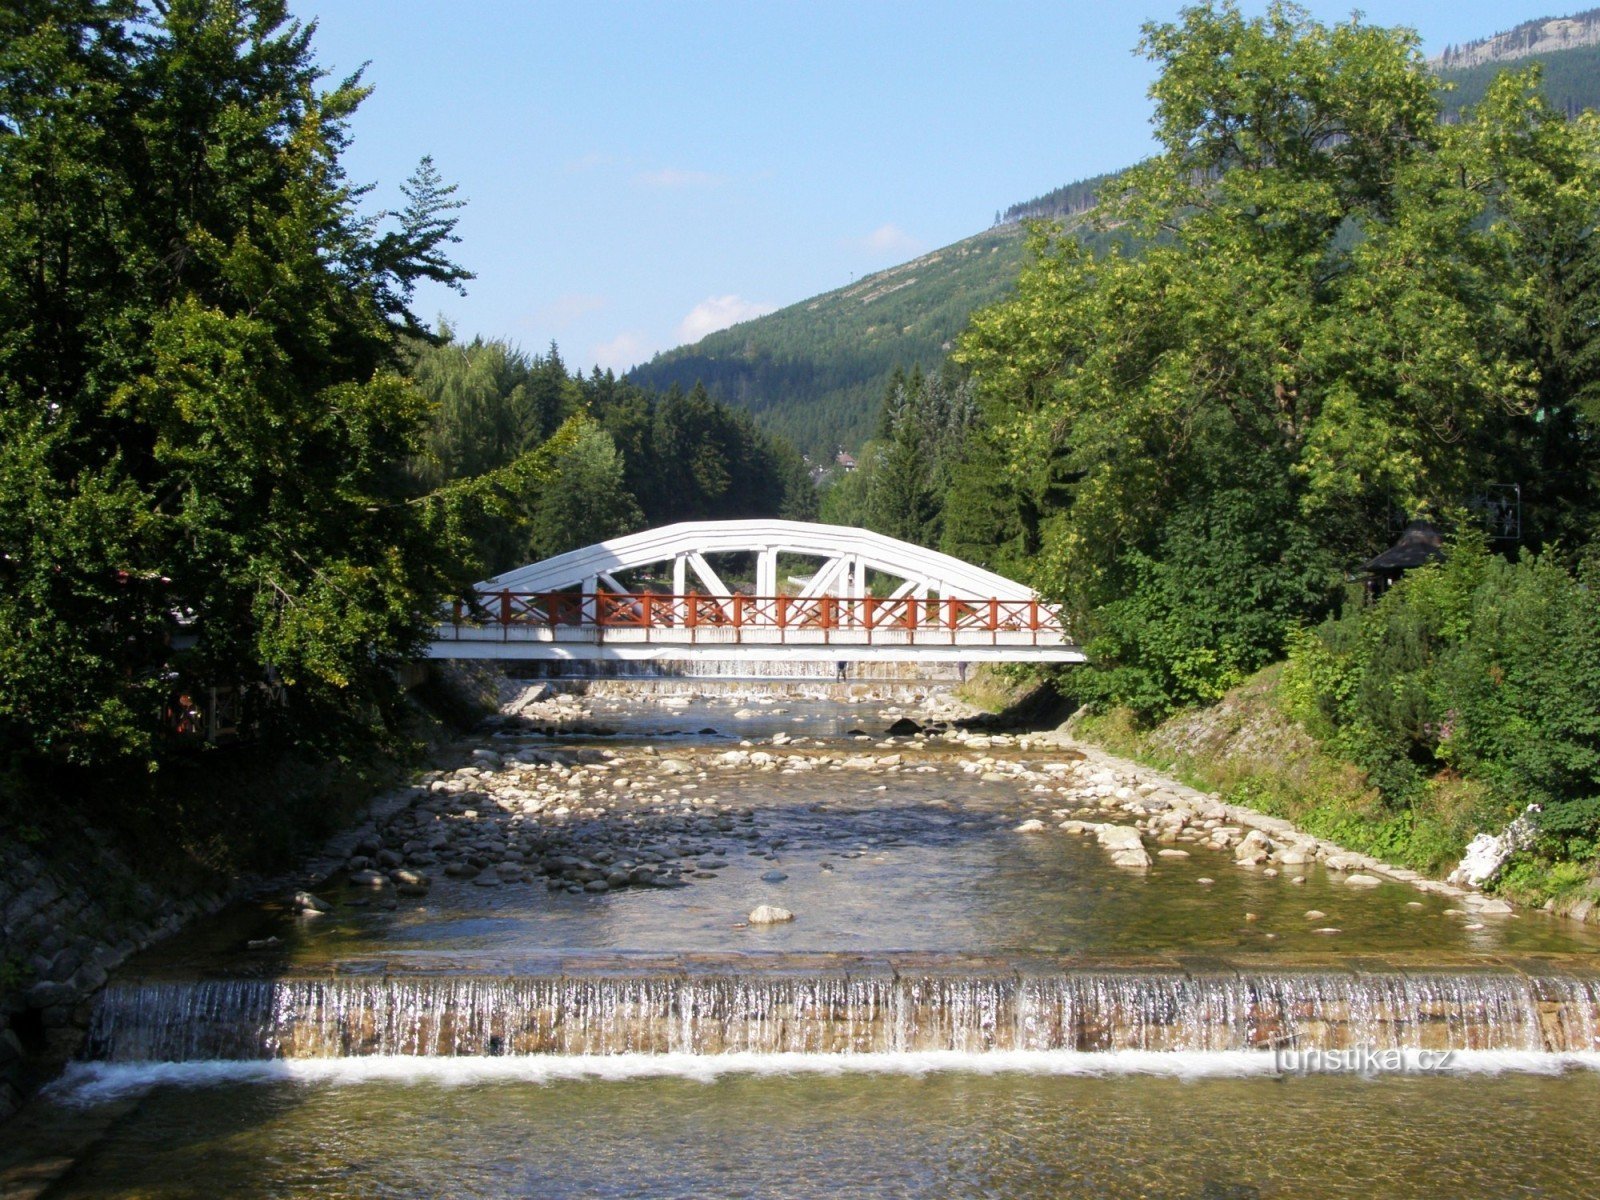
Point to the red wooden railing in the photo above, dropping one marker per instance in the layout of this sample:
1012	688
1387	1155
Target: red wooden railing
652	611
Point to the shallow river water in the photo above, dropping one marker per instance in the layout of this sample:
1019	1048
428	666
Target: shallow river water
958	1009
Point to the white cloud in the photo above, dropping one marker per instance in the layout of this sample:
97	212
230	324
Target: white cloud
569	307
672	178
589	162
718	312
620	353
889	239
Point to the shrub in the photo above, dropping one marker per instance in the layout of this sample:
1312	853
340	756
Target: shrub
1478	664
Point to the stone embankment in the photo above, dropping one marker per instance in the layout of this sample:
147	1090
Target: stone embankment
65	923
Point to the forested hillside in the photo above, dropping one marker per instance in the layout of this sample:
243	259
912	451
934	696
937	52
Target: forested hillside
816	371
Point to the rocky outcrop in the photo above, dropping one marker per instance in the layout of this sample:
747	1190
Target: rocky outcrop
1543	36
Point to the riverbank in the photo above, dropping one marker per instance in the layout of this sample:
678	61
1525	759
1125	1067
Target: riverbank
87	886
1247	751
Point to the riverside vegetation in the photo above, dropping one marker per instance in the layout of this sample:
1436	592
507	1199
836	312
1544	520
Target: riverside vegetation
1326	305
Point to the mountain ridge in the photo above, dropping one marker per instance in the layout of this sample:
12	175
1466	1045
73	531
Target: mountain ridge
1542	35
815	371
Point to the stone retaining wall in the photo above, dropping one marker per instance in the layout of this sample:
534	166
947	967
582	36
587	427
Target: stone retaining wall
66	920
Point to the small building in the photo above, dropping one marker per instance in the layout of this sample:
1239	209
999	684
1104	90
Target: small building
1419	544
845	460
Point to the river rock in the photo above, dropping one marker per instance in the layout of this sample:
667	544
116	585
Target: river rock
305	902
1362	881
1254	849
773	876
769	914
1124	845
1118	837
368	878
1030	826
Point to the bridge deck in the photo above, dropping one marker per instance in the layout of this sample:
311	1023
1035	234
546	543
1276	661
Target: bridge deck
605	625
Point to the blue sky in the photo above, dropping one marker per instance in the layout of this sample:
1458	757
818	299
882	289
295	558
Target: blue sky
639	174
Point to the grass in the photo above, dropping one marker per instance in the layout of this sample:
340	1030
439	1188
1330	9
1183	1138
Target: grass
1249	751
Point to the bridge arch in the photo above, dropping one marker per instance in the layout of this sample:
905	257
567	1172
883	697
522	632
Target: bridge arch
847	555
579	604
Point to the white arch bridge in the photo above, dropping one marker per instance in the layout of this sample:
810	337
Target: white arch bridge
867	597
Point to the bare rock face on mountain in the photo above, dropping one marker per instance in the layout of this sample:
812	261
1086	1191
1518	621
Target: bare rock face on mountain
1543	36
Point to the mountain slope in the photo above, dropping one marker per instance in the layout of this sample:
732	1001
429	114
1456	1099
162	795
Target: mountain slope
1541	36
816	371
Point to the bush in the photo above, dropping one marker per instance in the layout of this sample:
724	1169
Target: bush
1485	666
1231	577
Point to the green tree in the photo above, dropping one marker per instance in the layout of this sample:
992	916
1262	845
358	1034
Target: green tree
585	500
200	412
1347	302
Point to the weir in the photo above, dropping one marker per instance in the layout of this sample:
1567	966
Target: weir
835	1012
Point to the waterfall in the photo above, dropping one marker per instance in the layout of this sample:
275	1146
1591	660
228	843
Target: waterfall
891	1012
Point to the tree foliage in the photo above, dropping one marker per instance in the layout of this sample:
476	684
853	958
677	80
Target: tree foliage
202	420
1489	667
628	459
1331	301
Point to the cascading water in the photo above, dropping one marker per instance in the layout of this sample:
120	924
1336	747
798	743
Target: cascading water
780	1013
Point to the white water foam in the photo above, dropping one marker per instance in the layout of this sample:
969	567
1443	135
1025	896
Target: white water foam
92	1083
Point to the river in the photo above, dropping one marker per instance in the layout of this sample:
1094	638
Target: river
572	999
